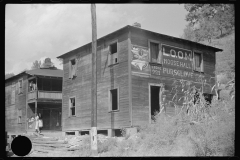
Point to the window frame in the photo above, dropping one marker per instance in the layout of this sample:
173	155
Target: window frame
159	60
19	121
115	55
20	91
202	65
110	100
13	88
69	107
70	68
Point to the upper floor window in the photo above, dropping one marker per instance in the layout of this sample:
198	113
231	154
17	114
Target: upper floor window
13	94
198	62
155	54
113	53
72	106
20	86
72	68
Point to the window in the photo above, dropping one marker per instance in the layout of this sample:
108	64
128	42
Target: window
13	94
72	106
113	54
113	100
198	62
154	49
113	48
19	116
72	68
20	86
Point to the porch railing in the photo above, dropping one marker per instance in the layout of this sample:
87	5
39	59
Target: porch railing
45	95
50	94
32	95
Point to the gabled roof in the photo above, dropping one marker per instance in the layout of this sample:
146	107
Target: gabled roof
46	72
131	28
41	72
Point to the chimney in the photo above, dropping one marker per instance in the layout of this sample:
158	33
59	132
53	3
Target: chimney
136	24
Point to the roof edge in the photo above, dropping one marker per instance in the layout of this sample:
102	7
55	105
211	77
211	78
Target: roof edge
63	55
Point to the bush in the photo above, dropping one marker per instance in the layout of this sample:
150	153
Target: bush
107	145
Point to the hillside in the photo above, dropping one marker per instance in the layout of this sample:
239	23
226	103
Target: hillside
225	61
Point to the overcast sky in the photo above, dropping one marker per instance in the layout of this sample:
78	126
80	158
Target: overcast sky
36	31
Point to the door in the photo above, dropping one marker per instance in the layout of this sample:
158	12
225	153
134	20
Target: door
55	123
46	119
154	106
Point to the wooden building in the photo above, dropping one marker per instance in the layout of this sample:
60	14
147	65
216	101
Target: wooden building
30	92
132	63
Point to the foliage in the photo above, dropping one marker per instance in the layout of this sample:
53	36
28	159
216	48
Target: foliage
231	85
208	21
36	64
8	75
197	129
106	145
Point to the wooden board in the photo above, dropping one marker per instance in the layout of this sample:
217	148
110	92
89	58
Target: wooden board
109	77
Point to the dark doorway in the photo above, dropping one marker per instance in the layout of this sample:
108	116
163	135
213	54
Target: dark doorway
55	122
46	119
51	118
154	99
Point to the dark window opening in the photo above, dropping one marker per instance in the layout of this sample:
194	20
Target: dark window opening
113	48
154	50
72	107
198	61
155	107
118	133
114	99
73	62
84	133
20	86
72	68
103	132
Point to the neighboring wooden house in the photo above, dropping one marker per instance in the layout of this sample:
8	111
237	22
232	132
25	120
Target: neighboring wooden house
132	63
43	96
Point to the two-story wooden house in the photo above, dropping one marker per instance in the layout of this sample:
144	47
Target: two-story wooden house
132	63
30	92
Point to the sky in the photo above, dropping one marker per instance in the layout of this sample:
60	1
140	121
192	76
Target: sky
37	31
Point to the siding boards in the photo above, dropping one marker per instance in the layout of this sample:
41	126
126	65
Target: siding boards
141	39
11	117
109	77
140	85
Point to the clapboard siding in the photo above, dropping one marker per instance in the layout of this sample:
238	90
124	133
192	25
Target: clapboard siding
141	39
108	77
140	84
118	76
11	117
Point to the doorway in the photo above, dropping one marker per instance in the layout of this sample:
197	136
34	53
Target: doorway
51	118
153	100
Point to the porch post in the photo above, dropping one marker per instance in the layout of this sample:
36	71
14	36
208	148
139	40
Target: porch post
35	106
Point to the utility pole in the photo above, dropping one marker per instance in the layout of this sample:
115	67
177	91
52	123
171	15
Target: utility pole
94	83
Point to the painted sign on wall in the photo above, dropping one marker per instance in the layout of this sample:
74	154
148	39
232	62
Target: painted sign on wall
140	60
175	73
176	63
174	57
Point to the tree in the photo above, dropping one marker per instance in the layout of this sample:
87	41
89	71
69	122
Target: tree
216	18
36	64
8	75
188	33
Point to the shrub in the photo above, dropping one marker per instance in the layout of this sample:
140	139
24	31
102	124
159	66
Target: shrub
107	145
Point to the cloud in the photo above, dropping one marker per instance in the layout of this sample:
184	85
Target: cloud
36	31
